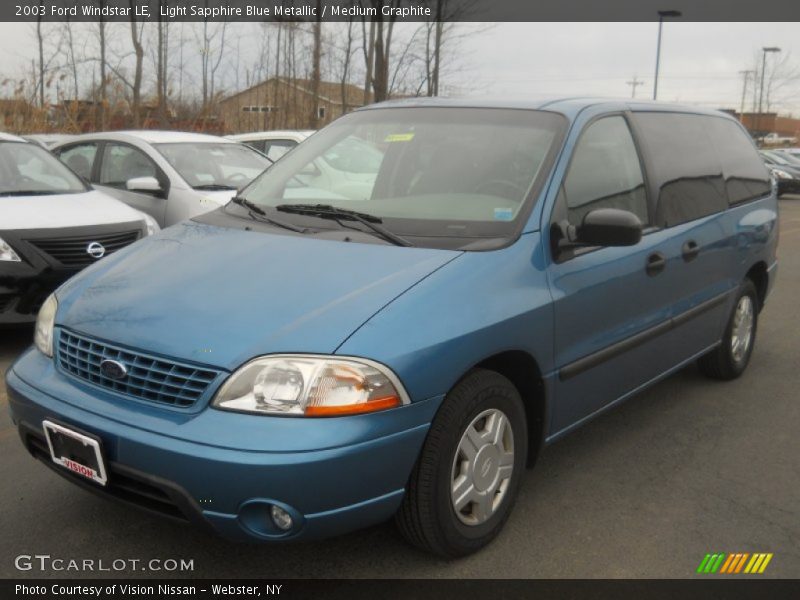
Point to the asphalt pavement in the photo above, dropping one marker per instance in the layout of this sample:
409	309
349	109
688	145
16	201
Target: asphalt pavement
689	467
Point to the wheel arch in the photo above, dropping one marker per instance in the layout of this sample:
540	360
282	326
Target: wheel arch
760	277
521	368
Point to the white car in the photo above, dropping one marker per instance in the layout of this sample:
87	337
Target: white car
273	144
774	139
52	224
169	175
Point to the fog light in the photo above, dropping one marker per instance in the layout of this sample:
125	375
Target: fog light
281	518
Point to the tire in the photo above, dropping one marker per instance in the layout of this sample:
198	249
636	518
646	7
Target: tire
725	362
427	516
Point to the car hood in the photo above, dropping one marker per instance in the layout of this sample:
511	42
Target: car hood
220	296
63	210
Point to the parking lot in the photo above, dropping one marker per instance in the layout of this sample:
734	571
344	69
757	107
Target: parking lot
690	467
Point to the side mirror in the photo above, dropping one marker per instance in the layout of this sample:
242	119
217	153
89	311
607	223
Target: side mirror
143	184
609	227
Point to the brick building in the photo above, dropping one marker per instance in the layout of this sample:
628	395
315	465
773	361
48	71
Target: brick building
281	103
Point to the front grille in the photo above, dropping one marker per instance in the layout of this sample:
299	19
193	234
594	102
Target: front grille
72	251
148	378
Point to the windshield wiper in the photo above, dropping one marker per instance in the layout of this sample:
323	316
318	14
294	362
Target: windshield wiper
32	193
326	211
258	214
214	186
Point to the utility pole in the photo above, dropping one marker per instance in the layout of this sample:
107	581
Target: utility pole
634	83
765	50
745	77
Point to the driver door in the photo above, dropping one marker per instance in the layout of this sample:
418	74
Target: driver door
121	162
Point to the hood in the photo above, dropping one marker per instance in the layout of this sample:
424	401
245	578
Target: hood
221	296
63	210
220	197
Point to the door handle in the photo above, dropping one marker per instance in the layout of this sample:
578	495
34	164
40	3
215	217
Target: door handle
690	250
655	263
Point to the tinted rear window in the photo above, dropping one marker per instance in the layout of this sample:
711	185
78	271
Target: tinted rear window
746	178
685	167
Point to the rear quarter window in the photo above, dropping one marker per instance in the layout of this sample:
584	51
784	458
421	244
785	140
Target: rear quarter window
684	167
746	177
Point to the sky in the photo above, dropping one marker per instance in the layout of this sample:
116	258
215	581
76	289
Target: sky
700	62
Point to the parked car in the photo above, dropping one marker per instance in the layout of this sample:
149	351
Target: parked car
308	363
48	140
273	144
169	175
775	139
785	170
52	225
795	152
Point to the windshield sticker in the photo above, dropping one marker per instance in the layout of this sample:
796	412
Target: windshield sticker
503	214
399	137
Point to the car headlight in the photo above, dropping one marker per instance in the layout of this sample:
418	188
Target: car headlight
7	252
151	224
311	386
43	335
780	174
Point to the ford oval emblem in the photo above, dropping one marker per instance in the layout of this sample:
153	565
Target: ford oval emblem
113	369
96	250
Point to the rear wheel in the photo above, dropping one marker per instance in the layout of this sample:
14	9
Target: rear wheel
731	357
464	484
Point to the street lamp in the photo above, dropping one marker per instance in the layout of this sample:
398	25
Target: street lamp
764	52
662	14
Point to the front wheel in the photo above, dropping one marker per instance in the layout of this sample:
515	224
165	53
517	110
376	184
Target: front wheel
730	358
464	484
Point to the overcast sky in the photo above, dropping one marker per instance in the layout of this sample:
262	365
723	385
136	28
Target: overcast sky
700	61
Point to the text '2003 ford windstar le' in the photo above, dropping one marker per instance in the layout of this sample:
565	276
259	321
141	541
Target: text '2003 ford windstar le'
309	361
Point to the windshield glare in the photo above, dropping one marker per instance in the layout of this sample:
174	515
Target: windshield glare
209	165
459	172
29	169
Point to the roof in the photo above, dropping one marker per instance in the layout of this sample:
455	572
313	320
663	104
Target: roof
293	134
568	106
154	136
7	137
329	91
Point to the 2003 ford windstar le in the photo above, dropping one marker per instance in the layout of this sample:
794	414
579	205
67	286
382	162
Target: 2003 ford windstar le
311	359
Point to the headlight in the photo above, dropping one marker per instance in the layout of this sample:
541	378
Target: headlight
780	174
151	224
7	252
43	336
311	386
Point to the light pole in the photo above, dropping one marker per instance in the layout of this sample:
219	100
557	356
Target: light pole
764	52
662	14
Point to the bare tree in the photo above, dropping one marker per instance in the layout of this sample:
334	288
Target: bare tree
316	75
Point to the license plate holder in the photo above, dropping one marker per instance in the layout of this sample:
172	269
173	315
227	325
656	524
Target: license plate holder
78	452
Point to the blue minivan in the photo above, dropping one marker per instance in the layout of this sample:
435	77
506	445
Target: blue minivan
315	357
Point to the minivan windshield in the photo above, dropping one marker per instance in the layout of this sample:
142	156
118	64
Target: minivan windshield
30	170
435	172
214	166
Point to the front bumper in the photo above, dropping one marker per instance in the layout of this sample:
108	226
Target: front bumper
225	470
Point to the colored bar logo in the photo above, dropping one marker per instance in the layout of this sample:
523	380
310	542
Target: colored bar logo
732	564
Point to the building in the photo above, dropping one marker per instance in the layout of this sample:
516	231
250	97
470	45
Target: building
768	122
282	103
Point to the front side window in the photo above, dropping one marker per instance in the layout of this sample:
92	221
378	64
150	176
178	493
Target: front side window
122	162
210	165
274	149
28	169
604	172
79	158
452	175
